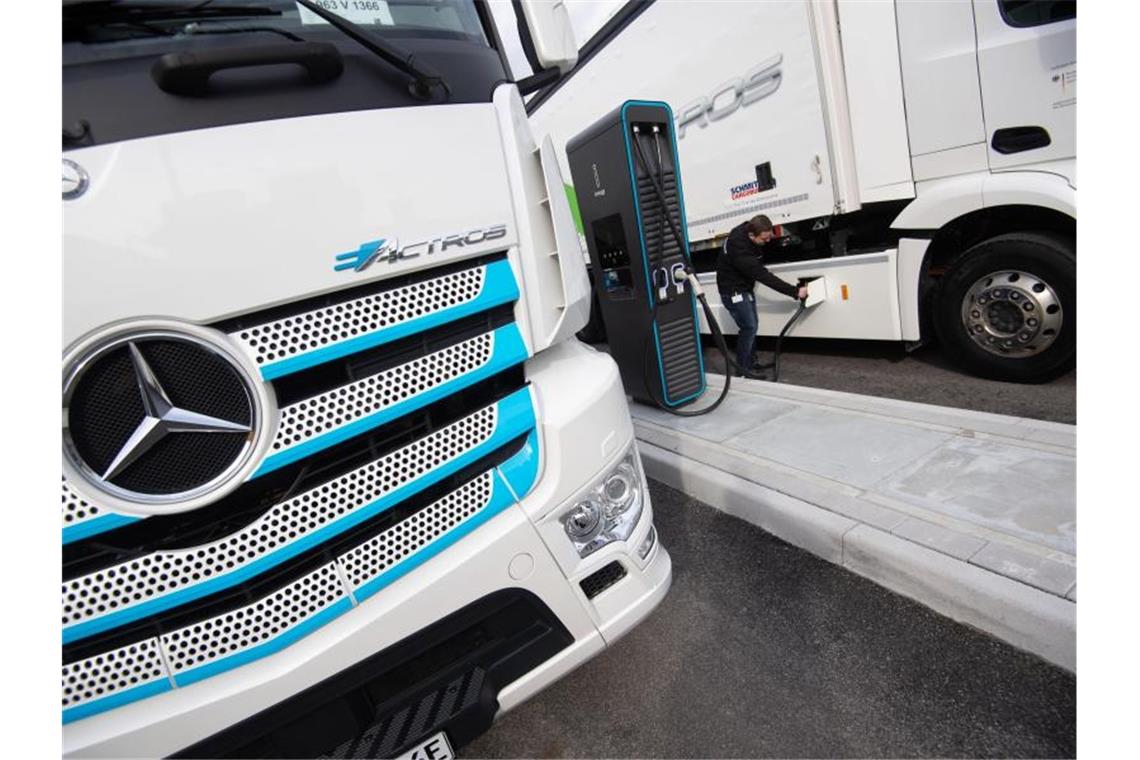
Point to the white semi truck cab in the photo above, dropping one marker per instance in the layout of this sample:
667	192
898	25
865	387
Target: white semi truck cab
337	477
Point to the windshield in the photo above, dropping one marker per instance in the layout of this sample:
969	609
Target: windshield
133	26
110	51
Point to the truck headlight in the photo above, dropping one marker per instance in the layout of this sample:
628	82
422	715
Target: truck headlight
609	509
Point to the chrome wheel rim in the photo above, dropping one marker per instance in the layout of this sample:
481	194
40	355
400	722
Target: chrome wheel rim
1011	313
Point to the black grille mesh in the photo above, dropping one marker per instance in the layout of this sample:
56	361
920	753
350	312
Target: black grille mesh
106	407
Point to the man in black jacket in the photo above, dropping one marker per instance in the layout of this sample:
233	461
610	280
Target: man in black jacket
739	267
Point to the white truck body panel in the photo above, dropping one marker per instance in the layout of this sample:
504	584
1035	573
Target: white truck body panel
940	75
170	187
875	100
752	93
862	303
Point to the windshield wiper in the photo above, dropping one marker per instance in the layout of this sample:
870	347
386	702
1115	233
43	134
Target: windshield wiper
424	76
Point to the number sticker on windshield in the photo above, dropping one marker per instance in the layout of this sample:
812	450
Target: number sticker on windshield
356	11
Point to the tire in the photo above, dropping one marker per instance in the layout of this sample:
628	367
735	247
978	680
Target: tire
595	329
1006	309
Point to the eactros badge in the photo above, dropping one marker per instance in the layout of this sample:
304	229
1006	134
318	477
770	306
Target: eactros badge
75	180
159	418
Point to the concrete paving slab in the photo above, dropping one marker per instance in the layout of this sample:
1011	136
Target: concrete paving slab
1056	577
939	538
738	413
1024	492
849	448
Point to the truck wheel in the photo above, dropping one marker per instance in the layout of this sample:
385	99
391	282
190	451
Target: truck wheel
1007	307
595	329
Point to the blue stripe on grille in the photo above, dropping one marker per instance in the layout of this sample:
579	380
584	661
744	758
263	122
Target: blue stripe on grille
500	499
521	470
509	350
515	417
266	648
499	287
116	700
96	525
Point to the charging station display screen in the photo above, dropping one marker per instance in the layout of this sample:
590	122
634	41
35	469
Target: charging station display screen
613	254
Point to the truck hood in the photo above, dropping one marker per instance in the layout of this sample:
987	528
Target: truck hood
209	224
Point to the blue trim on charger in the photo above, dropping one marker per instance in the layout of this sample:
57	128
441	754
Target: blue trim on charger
499	287
276	644
516	416
103	704
501	498
645	252
508	351
521	470
95	526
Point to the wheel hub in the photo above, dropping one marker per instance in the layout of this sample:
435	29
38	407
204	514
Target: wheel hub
1012	313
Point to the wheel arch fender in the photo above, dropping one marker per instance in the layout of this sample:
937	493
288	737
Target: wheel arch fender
941	202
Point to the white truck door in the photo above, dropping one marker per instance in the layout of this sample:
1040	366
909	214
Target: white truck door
1027	64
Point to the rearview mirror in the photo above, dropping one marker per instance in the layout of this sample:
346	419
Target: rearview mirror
550	33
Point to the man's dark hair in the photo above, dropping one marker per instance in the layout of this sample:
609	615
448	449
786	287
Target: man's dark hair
758	224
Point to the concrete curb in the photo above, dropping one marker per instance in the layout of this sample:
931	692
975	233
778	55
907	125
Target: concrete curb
1021	615
1018	428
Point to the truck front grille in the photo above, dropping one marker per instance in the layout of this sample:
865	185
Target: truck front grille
396	435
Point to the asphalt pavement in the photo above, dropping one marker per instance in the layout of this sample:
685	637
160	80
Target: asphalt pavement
925	375
763	650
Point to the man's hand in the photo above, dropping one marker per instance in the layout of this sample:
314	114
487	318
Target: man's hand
802	293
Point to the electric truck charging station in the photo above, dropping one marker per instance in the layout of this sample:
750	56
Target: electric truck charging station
633	217
626	164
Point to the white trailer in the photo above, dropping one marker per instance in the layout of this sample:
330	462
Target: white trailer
919	157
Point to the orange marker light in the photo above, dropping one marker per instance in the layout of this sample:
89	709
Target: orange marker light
843	291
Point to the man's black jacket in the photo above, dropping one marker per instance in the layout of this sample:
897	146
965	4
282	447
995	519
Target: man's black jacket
741	265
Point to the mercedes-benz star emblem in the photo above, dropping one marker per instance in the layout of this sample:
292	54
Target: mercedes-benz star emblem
162	418
75	180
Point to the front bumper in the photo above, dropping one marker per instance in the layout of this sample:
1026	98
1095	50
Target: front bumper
585	426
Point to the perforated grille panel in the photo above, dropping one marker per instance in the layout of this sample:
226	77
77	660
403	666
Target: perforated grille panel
161	573
261	621
112	672
254	624
328	411
75	508
284	338
397	543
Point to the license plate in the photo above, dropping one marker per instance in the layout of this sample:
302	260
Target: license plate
435	748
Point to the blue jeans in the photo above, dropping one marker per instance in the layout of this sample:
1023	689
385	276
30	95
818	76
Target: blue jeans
744	314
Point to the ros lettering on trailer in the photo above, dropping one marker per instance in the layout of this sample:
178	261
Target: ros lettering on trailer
756	84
